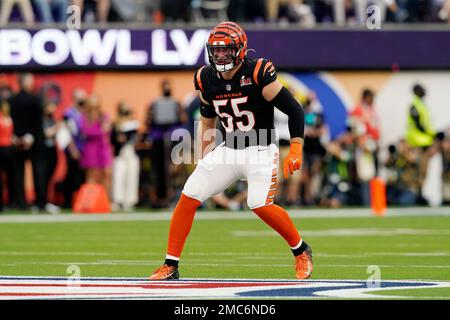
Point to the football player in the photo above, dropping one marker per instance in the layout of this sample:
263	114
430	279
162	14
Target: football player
242	94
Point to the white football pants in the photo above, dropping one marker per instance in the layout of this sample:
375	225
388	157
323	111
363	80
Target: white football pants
223	166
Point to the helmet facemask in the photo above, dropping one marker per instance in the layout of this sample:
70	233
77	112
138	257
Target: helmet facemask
223	58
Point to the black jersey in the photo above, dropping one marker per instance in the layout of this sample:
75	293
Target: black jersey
246	117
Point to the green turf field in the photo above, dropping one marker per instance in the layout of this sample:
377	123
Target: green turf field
403	247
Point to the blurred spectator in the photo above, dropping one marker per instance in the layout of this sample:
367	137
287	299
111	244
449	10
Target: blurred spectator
365	166
404	180
444	12
74	173
418	11
391	173
363	123
366	123
356	11
316	133
344	12
216	10
147	11
6	153
278	8
236	10
25	9
46	8
165	114
126	162
420	132
364	115
353	11
127	10
27	115
96	157
100	7
51	127
323	10
255	11
143	151
175	10
285	11
5	92
301	13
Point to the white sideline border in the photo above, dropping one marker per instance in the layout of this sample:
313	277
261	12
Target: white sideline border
222	215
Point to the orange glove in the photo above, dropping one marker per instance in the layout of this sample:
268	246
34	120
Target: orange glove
293	160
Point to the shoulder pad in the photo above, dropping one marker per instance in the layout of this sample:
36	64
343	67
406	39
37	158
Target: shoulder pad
198	84
264	72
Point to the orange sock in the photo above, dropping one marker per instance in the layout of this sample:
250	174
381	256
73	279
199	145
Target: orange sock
278	219
181	223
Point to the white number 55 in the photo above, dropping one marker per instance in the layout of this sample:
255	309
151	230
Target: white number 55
228	119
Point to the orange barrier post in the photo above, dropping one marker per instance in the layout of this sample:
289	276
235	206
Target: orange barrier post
378	196
92	198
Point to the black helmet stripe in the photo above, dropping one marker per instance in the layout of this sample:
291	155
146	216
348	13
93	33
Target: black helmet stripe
221	33
226	34
239	31
231	27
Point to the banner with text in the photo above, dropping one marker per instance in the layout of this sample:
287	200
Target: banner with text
123	49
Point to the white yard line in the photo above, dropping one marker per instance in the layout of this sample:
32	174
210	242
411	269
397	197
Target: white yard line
222	215
240	255
348	232
94	279
225	263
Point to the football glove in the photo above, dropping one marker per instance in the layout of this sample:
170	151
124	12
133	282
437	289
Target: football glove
293	160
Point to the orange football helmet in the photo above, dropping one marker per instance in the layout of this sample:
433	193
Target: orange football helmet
227	46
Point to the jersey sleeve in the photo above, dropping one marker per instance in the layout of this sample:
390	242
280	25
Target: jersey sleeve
265	72
198	80
206	110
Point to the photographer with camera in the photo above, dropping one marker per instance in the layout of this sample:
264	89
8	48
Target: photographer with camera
403	183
